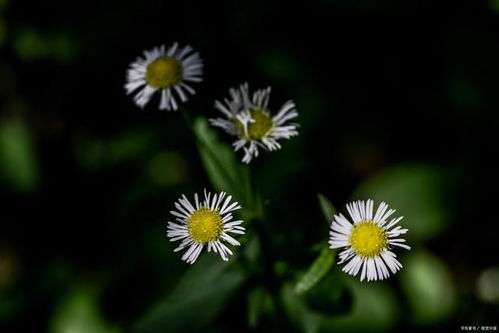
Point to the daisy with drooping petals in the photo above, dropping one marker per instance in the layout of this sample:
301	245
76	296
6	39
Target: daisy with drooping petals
166	71
204	224
251	121
368	241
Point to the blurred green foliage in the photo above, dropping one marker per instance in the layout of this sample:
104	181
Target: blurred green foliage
31	45
3	25
374	308
429	288
260	304
78	313
18	161
168	168
196	299
298	312
494	5
488	285
416	191
94	153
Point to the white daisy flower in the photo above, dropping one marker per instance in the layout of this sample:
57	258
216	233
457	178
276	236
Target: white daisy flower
204	224
251	121
368	240
166	71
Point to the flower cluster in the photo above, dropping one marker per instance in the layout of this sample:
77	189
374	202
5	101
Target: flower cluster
367	240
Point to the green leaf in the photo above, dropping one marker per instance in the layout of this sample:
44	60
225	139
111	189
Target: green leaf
254	302
416	192
316	271
327	208
219	160
429	287
79	313
94	153
260	302
330	295
297	310
18	163
31	45
196	300
225	171
374	308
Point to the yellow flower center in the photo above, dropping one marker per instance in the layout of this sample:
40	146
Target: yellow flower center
368	239
261	126
164	72
205	225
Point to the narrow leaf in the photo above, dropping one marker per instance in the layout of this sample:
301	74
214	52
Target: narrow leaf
225	171
316	271
298	312
218	159
207	285
327	208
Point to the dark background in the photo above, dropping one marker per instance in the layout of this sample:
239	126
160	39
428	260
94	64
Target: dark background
397	99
